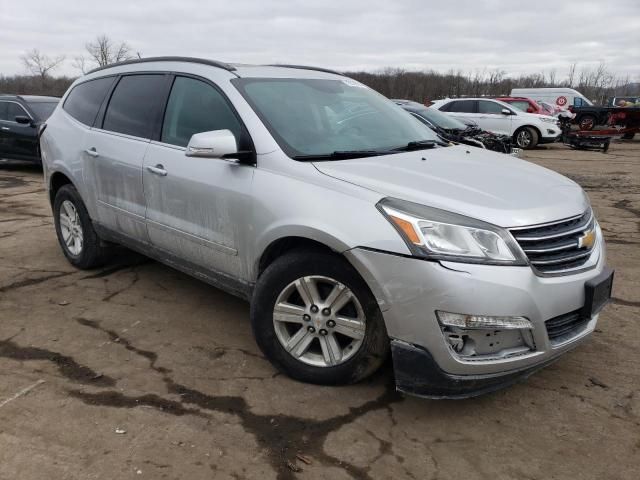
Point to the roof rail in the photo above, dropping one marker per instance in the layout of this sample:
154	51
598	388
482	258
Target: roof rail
305	67
19	97
204	61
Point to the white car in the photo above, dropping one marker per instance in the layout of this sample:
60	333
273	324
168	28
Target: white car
527	129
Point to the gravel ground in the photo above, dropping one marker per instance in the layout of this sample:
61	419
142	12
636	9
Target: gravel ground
138	371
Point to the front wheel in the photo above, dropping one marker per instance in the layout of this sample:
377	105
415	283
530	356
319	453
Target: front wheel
316	319
526	138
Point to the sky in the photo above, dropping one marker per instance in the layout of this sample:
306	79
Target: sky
514	36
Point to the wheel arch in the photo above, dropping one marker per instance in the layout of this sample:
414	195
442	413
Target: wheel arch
283	245
519	129
533	127
56	182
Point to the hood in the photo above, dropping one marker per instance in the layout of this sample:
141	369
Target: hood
536	116
478	183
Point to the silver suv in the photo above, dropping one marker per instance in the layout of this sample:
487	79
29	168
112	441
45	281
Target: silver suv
350	226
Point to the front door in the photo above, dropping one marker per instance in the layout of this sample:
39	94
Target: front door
115	150
17	140
197	208
491	118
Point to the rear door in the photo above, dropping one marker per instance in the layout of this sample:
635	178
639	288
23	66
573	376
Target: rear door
463	110
115	150
491	118
198	208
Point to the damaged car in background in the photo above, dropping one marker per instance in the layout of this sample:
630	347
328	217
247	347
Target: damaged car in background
351	228
453	130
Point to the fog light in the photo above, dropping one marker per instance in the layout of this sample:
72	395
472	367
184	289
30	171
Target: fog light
482	321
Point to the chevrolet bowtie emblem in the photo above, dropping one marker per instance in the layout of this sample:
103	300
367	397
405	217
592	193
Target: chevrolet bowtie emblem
587	240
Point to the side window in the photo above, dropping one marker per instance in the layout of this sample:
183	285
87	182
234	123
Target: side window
14	110
491	108
10	110
463	106
4	111
196	107
85	99
577	102
134	105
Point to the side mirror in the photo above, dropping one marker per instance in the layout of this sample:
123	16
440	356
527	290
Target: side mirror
506	111
530	110
23	120
213	144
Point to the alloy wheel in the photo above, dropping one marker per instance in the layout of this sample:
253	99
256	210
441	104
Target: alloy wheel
523	139
319	321
71	228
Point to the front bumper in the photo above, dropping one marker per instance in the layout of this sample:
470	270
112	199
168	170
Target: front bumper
549	137
410	290
417	373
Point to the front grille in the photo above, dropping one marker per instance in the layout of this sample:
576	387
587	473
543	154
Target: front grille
555	247
563	327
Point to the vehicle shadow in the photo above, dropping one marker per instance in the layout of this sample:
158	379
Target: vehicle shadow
18	165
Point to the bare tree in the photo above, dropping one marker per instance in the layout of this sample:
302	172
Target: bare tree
39	64
104	51
80	63
572	75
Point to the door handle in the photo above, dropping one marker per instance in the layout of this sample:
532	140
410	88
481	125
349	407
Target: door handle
158	170
6	128
91	152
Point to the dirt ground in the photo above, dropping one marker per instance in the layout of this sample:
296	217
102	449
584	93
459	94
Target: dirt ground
138	371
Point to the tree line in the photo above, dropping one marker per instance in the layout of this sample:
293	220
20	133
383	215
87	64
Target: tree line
422	86
596	83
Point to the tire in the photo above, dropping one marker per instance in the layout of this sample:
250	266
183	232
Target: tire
628	136
358	358
526	138
86	251
587	122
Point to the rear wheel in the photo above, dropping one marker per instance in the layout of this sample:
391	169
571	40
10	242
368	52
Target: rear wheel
526	138
316	320
587	122
79	241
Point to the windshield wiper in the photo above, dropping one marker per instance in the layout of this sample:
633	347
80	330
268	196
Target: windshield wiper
418	145
339	155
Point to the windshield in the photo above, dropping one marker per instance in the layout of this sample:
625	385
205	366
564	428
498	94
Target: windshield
43	110
440	119
310	117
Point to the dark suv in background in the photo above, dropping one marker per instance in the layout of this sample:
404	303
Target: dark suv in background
20	117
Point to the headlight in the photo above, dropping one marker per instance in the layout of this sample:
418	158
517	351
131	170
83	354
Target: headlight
441	235
549	120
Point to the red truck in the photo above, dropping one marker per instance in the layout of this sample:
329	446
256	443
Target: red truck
527	105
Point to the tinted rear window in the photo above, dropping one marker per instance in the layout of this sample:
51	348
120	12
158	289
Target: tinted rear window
85	99
134	105
43	110
462	106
